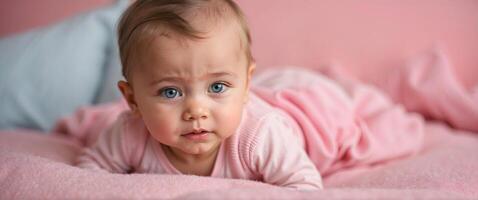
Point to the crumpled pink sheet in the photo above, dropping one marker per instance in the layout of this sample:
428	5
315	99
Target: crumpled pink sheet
36	166
427	85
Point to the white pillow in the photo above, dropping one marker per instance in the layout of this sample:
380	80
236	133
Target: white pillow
47	73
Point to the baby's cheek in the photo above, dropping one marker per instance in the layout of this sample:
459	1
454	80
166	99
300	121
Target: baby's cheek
230	118
168	123
160	126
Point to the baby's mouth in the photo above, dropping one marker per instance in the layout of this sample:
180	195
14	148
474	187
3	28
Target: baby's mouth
200	134
197	132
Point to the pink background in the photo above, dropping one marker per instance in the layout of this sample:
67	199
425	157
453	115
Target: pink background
367	37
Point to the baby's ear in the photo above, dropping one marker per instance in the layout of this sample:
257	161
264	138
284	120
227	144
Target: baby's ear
128	95
250	72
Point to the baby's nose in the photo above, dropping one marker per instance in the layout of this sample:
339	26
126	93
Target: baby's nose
195	110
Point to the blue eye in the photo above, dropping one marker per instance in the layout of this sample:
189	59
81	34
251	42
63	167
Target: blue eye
170	93
217	88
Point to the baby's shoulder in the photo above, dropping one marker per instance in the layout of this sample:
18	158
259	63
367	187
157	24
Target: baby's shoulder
256	108
260	118
128	122
263	125
258	112
130	130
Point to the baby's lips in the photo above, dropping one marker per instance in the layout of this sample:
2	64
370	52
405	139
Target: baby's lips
197	136
197	131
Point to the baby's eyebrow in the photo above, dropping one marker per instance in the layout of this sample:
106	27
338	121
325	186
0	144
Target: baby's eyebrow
166	79
179	79
219	74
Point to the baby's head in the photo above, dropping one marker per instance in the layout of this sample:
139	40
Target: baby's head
187	65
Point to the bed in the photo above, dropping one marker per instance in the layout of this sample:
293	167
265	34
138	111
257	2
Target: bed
421	54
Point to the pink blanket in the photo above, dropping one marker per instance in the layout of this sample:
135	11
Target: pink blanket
39	166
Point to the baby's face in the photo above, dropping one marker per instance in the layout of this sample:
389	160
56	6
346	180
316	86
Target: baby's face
191	93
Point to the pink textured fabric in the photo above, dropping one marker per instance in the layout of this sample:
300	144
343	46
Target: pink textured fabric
447	162
86	124
444	169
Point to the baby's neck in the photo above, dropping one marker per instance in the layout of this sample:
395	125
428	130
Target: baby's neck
201	165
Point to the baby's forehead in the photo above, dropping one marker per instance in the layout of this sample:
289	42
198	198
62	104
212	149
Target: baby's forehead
224	39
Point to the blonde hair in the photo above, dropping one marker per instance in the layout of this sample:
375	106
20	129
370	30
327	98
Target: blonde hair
153	17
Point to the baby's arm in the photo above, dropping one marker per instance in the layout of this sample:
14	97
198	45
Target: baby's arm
279	158
108	153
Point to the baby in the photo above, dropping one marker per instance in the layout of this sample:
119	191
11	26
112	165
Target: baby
188	68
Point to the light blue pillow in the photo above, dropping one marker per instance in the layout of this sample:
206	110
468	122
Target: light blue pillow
47	73
108	90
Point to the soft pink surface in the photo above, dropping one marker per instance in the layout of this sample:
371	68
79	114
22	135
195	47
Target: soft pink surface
446	168
34	166
370	37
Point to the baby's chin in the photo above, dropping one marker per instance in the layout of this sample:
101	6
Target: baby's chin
201	148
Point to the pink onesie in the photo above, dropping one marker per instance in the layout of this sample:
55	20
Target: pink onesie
296	124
